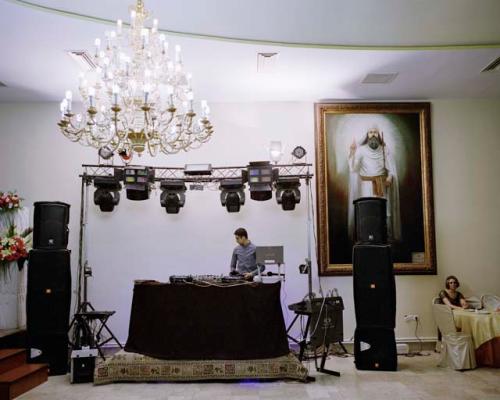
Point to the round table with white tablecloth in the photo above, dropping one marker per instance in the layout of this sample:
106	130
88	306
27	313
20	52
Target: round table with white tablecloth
484	327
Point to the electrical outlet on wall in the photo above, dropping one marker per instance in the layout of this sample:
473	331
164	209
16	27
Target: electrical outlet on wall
411	317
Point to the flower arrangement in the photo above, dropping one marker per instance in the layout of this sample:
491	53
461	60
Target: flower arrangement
14	246
9	201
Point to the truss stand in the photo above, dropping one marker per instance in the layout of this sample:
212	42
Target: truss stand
305	307
85	312
86	315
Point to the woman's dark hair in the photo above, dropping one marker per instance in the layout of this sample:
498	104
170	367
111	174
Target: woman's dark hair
241	232
447	285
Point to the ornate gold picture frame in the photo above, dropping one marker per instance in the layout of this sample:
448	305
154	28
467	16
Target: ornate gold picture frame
347	161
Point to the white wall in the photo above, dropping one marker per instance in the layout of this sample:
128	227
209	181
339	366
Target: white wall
140	241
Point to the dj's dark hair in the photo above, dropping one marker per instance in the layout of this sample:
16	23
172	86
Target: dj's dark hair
451	277
241	232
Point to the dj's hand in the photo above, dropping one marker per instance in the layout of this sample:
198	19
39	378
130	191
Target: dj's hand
248	276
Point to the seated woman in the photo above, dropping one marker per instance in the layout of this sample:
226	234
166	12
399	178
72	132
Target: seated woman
451	296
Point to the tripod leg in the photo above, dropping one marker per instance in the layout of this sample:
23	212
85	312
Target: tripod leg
303	342
323	360
111	333
343	347
290	327
323	356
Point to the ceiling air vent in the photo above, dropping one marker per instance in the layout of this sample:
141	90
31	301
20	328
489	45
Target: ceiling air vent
379	78
2	84
493	66
83	59
267	62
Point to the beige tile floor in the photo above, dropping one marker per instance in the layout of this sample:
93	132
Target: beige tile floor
417	378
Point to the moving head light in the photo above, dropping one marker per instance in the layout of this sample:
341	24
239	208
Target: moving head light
287	192
107	194
173	195
232	195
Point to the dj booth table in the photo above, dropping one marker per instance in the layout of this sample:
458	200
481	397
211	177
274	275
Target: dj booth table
194	322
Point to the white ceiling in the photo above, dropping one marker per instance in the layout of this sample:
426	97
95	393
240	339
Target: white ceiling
446	45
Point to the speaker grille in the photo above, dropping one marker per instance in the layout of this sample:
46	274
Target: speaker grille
374	286
375	349
50	227
370	220
49	292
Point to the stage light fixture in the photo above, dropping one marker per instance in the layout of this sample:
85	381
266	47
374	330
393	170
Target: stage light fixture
232	195
287	192
138	182
198	169
107	194
260	179
173	195
299	152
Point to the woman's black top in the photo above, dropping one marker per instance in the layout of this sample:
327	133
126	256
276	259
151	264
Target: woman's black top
455	301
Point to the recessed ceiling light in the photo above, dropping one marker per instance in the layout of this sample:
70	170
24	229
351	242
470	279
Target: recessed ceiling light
379	78
267	62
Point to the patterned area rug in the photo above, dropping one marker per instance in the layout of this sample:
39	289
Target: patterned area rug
132	367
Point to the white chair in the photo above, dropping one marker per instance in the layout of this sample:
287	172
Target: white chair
457	348
490	302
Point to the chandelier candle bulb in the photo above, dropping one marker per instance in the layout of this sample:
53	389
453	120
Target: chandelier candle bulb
97	44
119	25
178	59
63	108
91	96
147	90
145	37
155	26
116	91
133	14
69	97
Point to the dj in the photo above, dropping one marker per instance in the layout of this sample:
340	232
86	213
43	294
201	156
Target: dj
243	261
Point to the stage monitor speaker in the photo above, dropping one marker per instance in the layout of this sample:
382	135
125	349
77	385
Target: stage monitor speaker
374	286
375	349
326	325
370	220
50	227
49	349
49	292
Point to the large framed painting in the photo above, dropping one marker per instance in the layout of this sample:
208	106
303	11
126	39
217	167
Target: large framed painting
375	150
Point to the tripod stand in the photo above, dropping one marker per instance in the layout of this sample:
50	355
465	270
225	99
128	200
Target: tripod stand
86	315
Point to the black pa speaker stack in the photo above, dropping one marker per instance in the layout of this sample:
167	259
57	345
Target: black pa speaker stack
49	287
374	288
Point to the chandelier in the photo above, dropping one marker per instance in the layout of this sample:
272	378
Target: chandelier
137	98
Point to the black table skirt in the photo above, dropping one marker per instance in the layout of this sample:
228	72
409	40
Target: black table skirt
188	322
